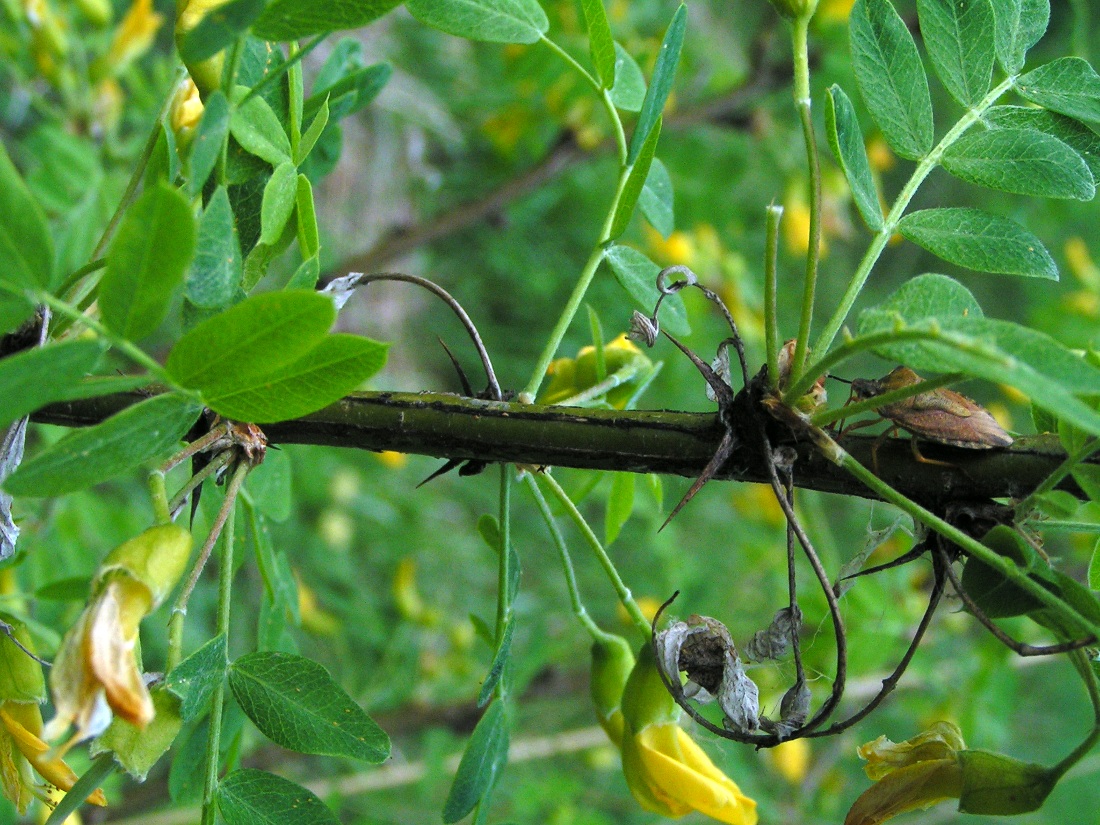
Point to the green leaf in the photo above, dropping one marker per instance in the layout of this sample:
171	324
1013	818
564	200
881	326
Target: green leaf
1022	161
500	660
659	85
295	19
308	241
656	200
600	43
25	244
215	274
998	597
253	338
620	504
960	340
350	93
1068	85
206	145
147	260
324	375
252	797
891	77
1019	25
635	181
485	756
1094	567
638	276
316	126
628	93
306	275
278	204
497	21
194	679
136	749
489	530
979	240
219	27
1080	138
959	35
257	128
31	379
295	703
846	141
124	441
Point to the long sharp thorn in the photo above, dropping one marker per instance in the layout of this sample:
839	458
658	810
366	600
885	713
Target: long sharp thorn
446	468
467	390
722	391
725	447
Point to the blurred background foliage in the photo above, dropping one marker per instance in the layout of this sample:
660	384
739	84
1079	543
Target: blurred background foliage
488	169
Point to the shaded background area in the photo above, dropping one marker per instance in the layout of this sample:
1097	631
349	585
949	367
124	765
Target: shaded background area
488	169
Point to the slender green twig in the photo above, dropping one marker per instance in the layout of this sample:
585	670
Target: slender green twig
636	616
878	243
1085	667
971	546
773	215
139	170
827	417
579	610
504	569
800	27
123	345
225	591
1024	508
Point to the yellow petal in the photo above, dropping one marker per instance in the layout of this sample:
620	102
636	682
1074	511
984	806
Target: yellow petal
642	787
941	741
112	634
77	698
40	756
921	785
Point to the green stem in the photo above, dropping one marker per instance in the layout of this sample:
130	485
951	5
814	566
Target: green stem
878	243
1050	482
229	78
802	101
773	215
972	547
826	418
504	571
868	342
74	278
139	171
123	345
579	610
589	271
225	590
623	592
162	513
103	766
1084	666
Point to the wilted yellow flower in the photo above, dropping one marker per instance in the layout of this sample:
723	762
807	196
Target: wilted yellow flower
22	688
96	672
916	773
134	35
665	770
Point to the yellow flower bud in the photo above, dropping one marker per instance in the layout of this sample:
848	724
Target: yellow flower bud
612	662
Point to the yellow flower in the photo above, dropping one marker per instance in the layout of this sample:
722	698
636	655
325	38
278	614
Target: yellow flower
21	746
22	688
134	35
186	109
791	759
96	672
665	770
189	13
916	773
